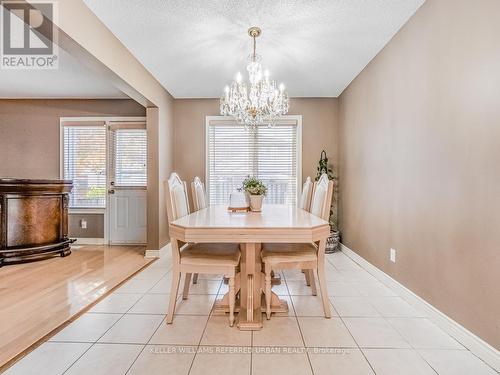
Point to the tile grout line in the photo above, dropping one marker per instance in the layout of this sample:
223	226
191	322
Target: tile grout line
389	323
93	343
352	336
157	328
204	329
289	296
131	307
135	359
87	312
298	324
384	318
122	315
355	341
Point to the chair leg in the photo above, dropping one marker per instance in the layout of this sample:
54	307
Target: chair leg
308	279
268	291
323	289
232	298
312	281
195	278
174	288
187	281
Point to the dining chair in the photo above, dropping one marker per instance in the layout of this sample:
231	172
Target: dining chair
199	202
305	204
305	197
208	258
198	194
306	256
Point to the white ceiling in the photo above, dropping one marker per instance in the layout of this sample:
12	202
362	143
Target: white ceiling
70	80
194	47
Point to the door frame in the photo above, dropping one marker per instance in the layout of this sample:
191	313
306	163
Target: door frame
103	211
110	173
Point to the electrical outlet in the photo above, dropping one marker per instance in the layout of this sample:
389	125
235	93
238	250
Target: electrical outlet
392	255
83	224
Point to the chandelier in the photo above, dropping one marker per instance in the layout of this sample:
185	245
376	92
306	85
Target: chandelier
260	101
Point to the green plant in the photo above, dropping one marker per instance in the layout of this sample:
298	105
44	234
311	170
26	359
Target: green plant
254	186
324	167
96	192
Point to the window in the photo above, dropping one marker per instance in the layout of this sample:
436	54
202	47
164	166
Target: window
271	154
130	157
84	162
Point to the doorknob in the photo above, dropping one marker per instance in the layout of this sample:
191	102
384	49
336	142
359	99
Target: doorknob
111	191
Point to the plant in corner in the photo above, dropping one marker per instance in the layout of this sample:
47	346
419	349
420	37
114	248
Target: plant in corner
323	167
256	190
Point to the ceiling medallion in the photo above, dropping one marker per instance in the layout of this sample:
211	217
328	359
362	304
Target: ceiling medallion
260	101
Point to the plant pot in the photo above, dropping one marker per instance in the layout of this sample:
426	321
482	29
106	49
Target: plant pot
256	202
333	242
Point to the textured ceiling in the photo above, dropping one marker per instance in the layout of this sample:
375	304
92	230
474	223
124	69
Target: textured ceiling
70	80
194	47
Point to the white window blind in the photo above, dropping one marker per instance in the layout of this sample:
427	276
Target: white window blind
130	157
84	162
269	153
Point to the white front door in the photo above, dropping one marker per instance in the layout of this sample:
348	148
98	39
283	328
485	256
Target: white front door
127	183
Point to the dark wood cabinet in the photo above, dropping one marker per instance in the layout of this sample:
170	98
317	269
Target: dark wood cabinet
33	219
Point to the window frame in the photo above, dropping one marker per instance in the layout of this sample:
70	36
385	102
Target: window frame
113	125
295	120
86	124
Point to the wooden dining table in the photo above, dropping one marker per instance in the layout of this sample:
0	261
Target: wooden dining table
274	224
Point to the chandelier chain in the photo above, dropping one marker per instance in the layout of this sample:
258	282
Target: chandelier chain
254	47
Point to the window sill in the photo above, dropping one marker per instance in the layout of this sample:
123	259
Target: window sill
86	211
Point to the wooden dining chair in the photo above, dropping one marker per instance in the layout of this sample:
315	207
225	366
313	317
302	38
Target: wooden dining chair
306	256
199	202
305	197
305	204
198	194
208	258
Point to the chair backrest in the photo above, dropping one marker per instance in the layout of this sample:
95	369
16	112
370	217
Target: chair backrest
176	197
322	197
305	198
198	193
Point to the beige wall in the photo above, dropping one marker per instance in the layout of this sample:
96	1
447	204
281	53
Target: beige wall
29	142
319	131
95	226
29	131
419	138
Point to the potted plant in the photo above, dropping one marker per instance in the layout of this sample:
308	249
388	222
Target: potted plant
333	242
256	191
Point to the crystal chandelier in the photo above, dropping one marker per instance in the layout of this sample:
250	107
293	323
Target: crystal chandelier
260	101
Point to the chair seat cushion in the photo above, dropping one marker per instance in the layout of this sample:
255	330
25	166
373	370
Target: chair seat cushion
212	254
288	252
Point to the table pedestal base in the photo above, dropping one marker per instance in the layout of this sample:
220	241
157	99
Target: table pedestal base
250	300
255	322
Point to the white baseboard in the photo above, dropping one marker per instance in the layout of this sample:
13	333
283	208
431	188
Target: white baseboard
476	345
89	241
158	253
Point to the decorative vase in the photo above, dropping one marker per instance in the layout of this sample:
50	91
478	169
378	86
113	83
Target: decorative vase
333	242
256	202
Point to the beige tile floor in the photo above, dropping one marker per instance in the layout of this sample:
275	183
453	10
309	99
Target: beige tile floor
372	331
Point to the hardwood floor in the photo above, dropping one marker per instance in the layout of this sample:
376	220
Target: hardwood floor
36	298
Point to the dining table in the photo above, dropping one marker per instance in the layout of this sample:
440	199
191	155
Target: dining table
273	224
